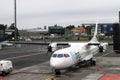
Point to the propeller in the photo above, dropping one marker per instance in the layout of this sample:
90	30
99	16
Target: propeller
51	47
101	48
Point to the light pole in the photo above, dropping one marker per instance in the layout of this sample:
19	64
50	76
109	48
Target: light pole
119	17
15	20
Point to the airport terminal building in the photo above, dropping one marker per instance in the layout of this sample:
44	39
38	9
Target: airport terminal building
2	32
104	28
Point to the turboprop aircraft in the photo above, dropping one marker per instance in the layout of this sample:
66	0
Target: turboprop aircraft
77	53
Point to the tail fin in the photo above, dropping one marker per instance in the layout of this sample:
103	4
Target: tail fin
94	39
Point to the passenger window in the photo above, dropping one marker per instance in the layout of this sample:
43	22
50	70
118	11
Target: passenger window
60	55
54	55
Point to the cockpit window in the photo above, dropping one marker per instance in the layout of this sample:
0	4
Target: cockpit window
66	55
60	55
54	55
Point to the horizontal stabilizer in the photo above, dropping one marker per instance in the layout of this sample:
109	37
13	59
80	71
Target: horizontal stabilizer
39	43
95	43
110	43
98	43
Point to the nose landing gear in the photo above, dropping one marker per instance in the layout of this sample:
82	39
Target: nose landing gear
57	72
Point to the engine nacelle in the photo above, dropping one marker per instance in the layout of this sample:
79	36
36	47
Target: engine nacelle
52	47
103	47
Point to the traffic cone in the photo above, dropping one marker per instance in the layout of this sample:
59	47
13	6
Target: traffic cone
98	68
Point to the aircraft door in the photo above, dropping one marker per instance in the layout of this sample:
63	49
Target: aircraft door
73	57
77	57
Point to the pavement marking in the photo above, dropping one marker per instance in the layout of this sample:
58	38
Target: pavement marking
49	78
92	77
53	77
114	68
38	49
16	72
23	56
104	55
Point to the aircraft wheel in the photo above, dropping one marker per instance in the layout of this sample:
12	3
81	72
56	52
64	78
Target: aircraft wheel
57	72
4	73
93	62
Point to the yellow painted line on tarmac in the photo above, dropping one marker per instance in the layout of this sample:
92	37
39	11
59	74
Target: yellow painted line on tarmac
49	78
54	77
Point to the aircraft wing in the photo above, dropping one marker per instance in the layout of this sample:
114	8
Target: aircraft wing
33	43
87	57
58	43
63	43
40	43
52	46
98	43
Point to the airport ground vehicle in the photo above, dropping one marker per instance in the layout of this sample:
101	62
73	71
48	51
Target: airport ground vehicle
5	67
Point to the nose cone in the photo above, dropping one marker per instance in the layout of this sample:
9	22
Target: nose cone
57	63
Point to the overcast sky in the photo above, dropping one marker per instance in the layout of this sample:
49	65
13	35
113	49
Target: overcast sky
38	13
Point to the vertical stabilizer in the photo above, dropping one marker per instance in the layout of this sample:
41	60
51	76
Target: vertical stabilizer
94	39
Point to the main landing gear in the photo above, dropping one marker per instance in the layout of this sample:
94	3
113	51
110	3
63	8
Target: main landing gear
92	62
57	72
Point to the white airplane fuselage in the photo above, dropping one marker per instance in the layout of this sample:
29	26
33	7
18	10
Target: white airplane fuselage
76	53
72	55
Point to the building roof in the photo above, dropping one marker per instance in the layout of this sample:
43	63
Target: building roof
79	29
39	30
55	27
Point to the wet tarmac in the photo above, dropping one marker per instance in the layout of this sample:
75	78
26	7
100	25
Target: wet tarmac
107	63
43	71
